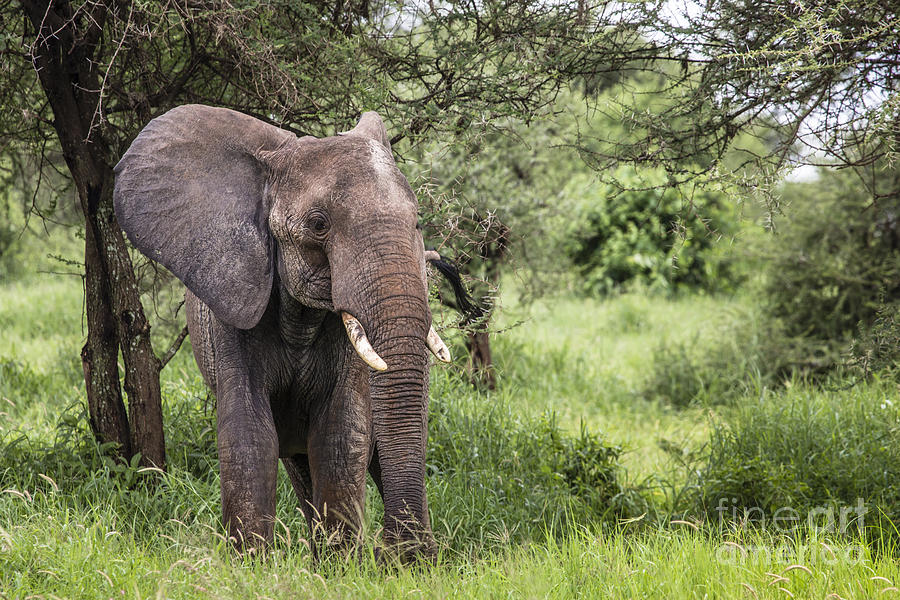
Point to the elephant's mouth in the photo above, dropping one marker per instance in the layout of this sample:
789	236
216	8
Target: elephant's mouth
360	342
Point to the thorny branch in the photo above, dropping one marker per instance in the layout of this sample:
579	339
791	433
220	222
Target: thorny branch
173	348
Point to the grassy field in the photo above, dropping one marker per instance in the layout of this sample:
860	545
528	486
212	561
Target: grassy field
573	480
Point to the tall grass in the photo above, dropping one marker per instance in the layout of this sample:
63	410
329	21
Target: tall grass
806	449
563	483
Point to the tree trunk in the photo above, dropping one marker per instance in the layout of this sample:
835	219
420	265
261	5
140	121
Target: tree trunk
478	343
116	321
100	352
481	365
141	365
63	53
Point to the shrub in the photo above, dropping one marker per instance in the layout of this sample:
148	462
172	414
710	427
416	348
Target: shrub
644	231
831	263
679	376
828	276
877	347
804	449
493	471
748	352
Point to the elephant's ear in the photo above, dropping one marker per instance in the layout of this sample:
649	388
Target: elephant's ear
190	194
371	126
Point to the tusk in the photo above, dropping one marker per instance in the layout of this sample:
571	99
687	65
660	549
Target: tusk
437	346
432	255
361	344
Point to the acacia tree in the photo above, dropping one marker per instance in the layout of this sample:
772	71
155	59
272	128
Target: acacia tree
816	82
494	195
83	77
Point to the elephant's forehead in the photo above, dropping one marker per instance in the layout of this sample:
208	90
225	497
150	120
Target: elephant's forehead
340	157
350	171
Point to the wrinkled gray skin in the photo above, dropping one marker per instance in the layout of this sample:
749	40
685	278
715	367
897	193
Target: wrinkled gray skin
274	236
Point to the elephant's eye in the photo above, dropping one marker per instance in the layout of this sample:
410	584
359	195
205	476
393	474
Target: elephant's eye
318	224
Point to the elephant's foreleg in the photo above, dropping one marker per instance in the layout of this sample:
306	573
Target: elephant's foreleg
248	458
339	445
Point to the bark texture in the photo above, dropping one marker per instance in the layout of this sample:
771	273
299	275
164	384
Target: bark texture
63	52
481	364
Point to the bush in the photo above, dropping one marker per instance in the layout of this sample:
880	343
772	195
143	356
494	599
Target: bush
824	299
681	377
877	347
832	263
746	353
804	449
494	472
646	232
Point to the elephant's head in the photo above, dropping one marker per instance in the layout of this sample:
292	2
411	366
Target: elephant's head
224	200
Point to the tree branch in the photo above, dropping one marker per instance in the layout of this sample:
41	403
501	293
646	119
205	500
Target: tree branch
173	349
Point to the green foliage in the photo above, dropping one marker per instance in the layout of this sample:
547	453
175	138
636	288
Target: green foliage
831	264
490	471
877	348
748	352
496	474
521	501
834	258
824	283
30	244
641	231
681	378
497	470
22	380
491	197
806	448
8	233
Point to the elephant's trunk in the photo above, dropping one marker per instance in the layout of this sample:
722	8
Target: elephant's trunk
390	301
400	426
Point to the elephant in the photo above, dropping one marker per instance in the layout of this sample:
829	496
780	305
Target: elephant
307	307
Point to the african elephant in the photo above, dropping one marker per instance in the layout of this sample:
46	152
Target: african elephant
307	308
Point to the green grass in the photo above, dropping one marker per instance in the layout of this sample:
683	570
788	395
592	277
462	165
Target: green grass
808	448
664	564
564	483
588	360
